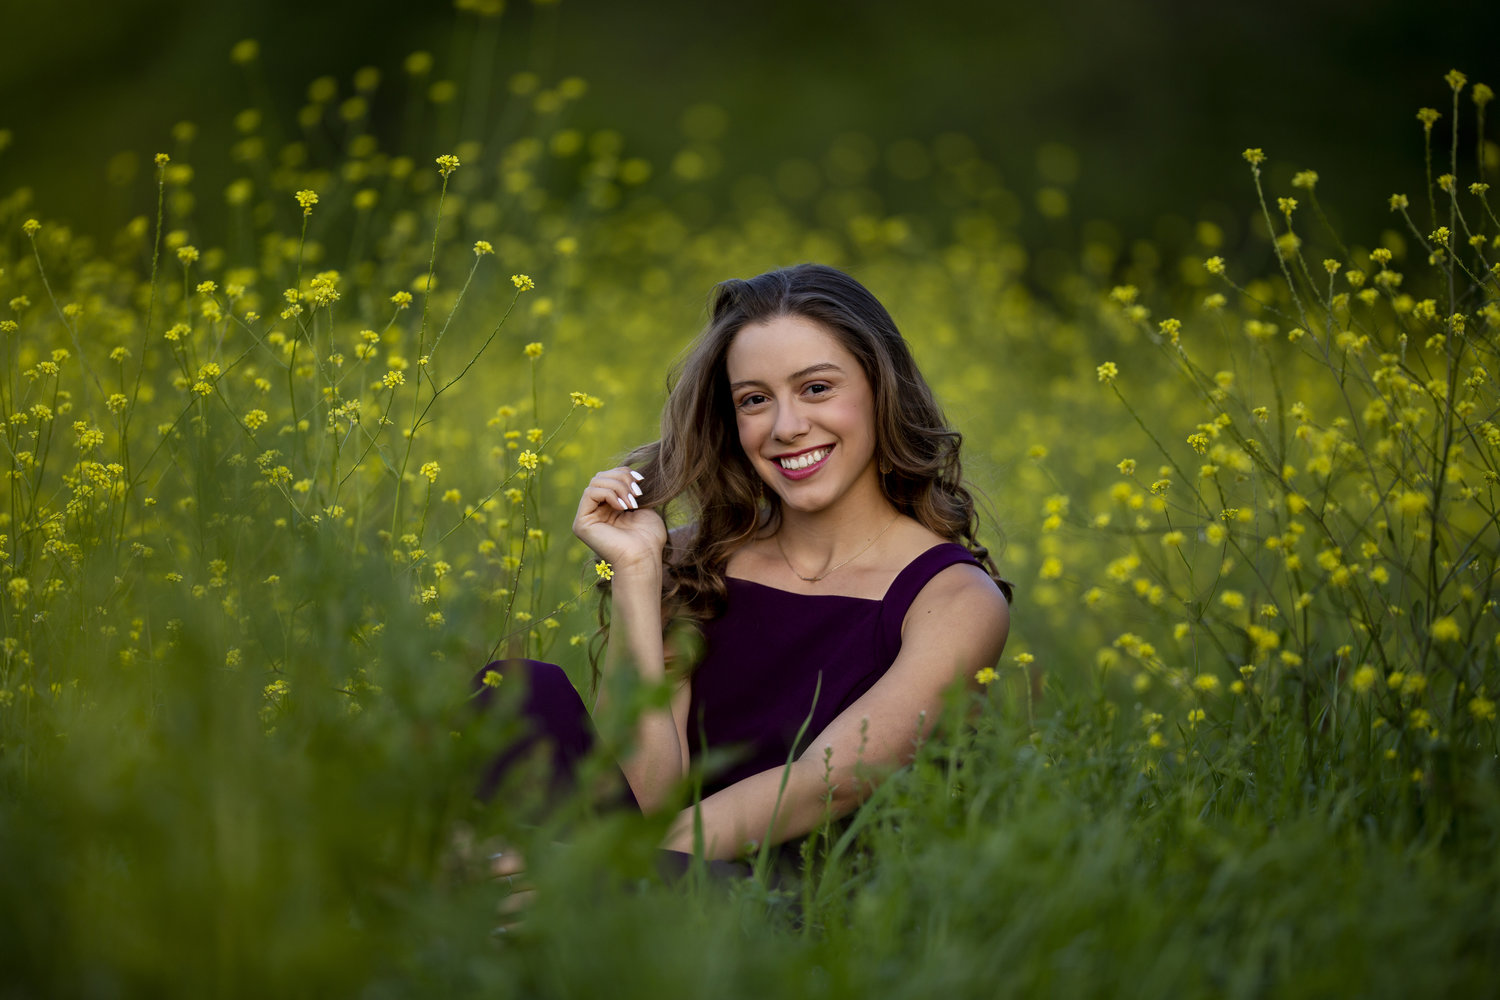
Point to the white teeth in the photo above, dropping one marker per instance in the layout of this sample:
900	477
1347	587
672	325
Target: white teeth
804	460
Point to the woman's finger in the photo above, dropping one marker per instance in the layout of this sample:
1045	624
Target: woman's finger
627	480
618	488
607	495
507	864
516	902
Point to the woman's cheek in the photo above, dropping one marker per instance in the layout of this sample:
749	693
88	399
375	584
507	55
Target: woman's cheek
749	432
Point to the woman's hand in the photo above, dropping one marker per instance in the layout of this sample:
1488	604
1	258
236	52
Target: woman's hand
611	521
508	869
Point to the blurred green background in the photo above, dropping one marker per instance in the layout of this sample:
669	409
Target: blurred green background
1157	99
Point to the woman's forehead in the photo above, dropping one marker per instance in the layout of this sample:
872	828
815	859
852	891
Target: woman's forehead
783	346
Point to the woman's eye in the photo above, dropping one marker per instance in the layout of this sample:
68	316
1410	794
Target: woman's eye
754	399
819	388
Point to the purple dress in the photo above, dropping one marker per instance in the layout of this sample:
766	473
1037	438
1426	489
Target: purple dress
776	660
773	661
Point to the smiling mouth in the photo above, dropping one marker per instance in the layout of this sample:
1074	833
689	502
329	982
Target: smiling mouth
806	460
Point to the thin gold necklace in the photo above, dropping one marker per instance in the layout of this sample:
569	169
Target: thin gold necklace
828	572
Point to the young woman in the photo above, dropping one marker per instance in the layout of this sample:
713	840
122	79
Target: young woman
829	561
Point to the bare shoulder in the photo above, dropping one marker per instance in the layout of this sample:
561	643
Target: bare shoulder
960	599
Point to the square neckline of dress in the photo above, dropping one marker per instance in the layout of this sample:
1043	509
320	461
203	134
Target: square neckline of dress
846	597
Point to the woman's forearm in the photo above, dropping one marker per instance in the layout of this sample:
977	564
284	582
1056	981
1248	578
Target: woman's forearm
655	761
761	808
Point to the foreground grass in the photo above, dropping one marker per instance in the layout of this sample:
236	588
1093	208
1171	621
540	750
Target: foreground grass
1007	861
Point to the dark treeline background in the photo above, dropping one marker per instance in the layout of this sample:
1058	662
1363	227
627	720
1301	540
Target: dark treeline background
1157	99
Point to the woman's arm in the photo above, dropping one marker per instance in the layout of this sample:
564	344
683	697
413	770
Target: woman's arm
658	755
955	627
631	538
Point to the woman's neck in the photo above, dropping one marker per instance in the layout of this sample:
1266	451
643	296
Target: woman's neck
822	538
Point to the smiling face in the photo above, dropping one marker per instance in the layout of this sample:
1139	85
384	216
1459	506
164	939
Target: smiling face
805	413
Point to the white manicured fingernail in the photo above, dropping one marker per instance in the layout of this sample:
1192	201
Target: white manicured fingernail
633	504
622	503
637	475
636	489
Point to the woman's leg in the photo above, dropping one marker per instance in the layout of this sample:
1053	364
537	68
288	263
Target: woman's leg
555	724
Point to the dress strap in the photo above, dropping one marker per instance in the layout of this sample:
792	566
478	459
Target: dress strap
908	583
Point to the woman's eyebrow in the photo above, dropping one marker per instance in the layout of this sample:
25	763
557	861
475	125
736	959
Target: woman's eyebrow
821	366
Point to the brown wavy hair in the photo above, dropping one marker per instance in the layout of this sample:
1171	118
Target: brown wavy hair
698	460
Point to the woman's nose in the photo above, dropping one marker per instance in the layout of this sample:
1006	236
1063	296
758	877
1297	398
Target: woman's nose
791	423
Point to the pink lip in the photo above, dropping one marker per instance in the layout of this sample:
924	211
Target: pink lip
804	473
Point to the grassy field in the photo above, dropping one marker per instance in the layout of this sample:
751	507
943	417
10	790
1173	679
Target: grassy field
294	451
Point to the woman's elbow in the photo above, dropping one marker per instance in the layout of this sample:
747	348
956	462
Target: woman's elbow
846	790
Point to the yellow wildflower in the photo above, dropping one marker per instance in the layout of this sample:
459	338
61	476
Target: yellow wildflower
1263	638
522	282
307	199
1446	629
1411	503
986	676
